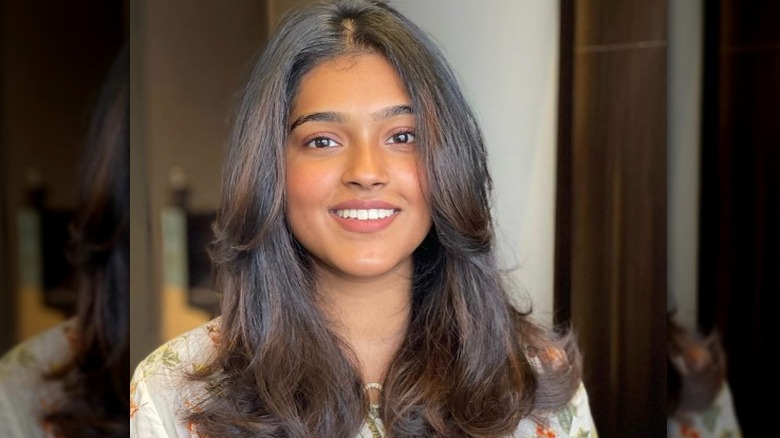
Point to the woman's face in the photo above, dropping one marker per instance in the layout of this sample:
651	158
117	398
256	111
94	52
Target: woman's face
354	196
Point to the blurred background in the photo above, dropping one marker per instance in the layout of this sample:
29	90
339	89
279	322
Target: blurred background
53	59
634	147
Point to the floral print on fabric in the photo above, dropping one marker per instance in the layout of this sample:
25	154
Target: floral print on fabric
158	396
717	421
25	396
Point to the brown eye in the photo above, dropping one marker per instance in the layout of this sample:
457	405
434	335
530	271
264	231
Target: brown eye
321	142
402	137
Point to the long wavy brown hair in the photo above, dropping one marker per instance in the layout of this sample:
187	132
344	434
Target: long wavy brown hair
97	378
470	364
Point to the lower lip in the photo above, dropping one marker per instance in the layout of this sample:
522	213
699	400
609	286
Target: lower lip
366	226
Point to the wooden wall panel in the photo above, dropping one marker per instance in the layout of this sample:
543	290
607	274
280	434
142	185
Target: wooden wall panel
607	22
615	202
740	204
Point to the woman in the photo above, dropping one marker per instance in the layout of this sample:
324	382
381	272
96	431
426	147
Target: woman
355	255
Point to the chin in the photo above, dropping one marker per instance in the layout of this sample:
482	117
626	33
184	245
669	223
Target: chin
368	269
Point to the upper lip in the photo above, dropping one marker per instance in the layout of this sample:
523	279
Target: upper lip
357	204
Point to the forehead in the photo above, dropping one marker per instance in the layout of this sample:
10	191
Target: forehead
350	83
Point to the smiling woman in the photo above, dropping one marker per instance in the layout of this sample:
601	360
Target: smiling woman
356	259
346	170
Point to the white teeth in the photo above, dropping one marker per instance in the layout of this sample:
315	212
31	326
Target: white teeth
365	215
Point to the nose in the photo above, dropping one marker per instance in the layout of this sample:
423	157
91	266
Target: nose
366	166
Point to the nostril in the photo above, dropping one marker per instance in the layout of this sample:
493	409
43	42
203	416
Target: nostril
366	168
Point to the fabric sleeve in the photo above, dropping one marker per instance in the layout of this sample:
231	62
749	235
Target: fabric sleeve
160	394
573	421
13	424
25	395
718	420
144	417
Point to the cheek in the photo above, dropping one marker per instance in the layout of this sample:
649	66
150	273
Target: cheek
415	182
295	186
304	185
308	190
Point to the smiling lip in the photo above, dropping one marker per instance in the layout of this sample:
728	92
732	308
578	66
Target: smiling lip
364	216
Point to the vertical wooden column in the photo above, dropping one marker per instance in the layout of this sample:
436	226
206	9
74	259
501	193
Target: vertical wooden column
740	203
611	254
7	302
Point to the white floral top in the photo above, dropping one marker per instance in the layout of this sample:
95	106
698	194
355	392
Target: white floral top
157	397
25	396
717	421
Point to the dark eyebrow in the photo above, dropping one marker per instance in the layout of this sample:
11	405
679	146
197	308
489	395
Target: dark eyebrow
334	117
318	117
392	111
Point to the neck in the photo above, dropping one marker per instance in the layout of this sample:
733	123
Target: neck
370	315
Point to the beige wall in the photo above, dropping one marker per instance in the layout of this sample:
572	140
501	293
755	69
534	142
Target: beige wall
506	55
684	142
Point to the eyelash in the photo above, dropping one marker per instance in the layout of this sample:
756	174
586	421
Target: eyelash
407	132
311	142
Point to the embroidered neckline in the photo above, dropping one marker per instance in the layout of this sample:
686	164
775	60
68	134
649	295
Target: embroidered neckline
373	410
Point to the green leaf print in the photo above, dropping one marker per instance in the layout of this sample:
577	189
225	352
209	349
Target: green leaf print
25	357
170	358
565	417
5	364
20	356
710	418
730	433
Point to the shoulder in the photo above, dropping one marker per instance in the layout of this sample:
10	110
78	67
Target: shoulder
48	349
159	389
25	394
574	420
183	353
719	419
